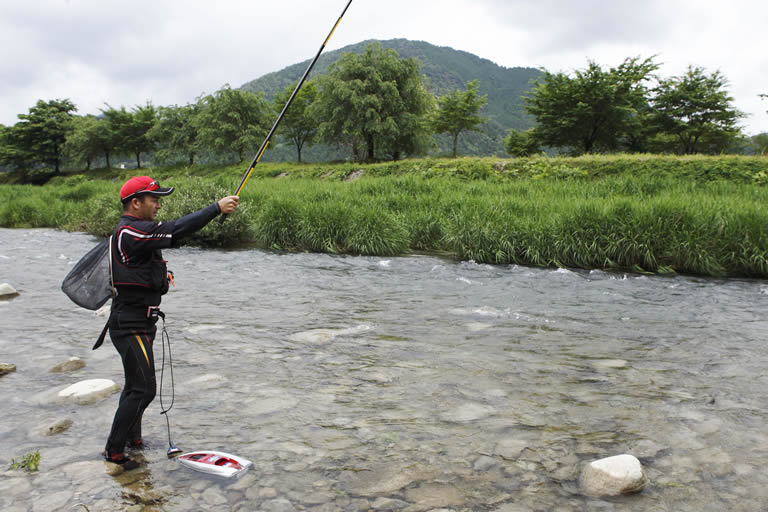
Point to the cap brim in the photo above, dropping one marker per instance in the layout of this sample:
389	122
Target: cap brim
162	191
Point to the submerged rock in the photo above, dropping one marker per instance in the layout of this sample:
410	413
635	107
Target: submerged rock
74	363
612	476
385	480
7	368
7	291
58	427
468	412
89	391
320	336
510	449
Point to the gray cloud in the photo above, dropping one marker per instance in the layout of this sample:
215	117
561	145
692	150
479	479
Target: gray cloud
171	51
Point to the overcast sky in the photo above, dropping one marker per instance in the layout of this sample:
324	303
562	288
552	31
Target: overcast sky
126	53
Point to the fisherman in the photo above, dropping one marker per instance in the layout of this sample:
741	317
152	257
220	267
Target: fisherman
140	278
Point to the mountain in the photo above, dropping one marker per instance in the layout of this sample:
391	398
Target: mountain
445	70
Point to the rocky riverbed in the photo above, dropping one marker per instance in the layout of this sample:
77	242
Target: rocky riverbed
394	384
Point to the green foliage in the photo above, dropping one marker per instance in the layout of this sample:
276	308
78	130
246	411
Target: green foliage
697	110
521	144
177	132
234	120
298	124
458	112
592	111
40	135
696	215
373	103
29	462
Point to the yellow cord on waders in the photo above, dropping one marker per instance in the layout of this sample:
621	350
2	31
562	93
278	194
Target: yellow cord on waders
287	104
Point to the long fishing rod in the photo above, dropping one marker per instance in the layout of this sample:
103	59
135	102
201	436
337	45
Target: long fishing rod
282	113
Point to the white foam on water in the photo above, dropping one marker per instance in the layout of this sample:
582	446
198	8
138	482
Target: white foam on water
384	263
210	327
464	280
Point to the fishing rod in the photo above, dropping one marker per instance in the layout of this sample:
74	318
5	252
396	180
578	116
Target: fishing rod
282	113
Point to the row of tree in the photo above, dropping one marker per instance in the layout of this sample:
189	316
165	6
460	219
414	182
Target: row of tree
629	108
376	105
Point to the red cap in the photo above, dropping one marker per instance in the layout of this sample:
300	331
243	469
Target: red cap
139	185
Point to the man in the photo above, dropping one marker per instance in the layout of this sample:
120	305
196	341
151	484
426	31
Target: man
139	279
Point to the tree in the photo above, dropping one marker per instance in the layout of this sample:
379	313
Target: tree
234	120
374	102
298	125
40	135
595	110
177	131
760	144
521	144
457	112
116	126
85	142
136	135
11	154
696	109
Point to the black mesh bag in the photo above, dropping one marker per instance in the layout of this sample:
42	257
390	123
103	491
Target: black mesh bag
88	283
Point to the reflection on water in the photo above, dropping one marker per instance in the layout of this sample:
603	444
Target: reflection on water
397	383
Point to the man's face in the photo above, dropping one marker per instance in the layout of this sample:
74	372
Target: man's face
148	207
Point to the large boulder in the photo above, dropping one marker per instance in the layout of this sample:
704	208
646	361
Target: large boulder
7	291
89	391
612	476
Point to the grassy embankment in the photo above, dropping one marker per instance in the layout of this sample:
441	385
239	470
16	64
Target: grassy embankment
696	215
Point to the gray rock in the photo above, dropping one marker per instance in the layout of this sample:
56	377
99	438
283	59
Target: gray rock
646	449
484	463
6	368
74	363
7	291
468	412
386	479
213	496
278	505
388	504
510	449
49	502
612	476
430	496
58	427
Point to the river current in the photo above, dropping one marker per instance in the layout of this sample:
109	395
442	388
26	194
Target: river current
366	383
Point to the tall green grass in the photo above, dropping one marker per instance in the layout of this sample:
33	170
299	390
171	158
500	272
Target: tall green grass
557	213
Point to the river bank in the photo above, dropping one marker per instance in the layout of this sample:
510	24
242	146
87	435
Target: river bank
699	215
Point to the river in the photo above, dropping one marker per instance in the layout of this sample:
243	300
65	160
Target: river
357	383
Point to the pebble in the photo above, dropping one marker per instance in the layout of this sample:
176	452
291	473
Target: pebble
58	427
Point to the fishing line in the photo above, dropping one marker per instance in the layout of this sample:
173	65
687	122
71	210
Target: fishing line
165	339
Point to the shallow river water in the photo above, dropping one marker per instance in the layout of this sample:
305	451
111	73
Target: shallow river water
413	383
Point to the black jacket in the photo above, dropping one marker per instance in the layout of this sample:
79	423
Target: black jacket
139	273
